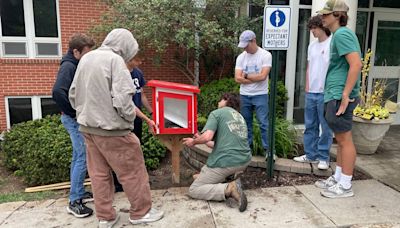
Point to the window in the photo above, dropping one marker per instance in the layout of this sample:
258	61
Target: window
363	3
301	66
21	109
362	29
278	2
306	2
29	28
255	10
387	3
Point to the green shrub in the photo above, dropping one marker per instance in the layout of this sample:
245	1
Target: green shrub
153	149
285	135
201	121
40	151
211	93
281	98
285	139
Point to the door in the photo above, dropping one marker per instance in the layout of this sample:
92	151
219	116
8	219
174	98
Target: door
176	113
385	59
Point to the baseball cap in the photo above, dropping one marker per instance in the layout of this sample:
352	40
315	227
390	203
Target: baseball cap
334	6
245	38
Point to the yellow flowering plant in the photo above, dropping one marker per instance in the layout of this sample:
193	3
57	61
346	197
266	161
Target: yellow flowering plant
371	104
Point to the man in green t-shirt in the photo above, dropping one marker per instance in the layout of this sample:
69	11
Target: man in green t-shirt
342	87
225	132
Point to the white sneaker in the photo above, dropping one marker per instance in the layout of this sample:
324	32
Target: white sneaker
337	191
151	216
108	224
324	184
304	159
323	165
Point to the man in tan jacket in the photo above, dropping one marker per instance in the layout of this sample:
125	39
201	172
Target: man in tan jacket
101	93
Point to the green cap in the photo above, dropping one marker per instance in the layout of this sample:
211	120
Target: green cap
334	6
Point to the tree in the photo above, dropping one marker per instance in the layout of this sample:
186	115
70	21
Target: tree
162	23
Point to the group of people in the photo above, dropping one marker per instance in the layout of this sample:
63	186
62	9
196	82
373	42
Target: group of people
100	95
332	93
332	90
101	98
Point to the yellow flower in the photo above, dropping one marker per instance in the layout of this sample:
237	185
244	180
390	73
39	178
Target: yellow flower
371	104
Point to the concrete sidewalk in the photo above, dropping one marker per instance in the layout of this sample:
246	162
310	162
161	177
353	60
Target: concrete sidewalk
294	206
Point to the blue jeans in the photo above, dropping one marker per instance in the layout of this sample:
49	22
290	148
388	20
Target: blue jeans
316	145
78	163
259	103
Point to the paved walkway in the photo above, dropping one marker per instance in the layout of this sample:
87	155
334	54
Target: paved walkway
374	205
295	206
385	164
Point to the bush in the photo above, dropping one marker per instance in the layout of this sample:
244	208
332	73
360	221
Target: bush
281	98
285	135
40	151
201	122
285	139
211	93
152	149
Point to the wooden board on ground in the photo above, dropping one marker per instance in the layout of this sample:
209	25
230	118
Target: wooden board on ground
62	185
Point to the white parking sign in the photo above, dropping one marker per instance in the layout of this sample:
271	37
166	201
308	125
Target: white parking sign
276	30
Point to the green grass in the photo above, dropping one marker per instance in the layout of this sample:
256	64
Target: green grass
23	196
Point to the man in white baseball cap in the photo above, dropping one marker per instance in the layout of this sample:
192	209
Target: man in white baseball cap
251	72
245	38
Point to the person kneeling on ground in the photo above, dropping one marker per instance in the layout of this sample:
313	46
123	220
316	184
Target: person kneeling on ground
225	132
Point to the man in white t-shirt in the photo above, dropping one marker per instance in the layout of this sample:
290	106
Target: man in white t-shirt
316	144
251	72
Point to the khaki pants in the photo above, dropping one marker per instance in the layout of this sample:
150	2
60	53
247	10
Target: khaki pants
123	155
208	185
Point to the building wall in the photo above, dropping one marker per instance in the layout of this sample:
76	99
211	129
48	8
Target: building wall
34	77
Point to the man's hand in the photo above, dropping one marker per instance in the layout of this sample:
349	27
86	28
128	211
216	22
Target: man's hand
196	135
152	127
343	105
188	142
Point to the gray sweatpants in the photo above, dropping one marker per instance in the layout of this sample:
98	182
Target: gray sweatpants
208	185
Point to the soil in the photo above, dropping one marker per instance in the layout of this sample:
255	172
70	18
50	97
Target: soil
9	183
161	178
251	179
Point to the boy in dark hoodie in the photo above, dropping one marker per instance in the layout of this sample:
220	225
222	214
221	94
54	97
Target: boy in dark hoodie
79	45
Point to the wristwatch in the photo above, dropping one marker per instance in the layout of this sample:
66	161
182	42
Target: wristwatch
245	75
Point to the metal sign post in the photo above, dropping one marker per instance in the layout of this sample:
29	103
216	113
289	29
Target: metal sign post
276	35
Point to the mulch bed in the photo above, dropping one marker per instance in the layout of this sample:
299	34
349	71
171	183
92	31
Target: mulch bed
161	178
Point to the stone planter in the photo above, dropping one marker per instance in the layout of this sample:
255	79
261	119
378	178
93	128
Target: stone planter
368	134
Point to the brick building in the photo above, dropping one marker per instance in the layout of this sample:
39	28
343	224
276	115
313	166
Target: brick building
34	36
32	42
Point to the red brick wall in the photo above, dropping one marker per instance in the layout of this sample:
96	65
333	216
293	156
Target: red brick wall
31	77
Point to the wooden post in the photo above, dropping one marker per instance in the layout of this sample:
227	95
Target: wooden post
174	144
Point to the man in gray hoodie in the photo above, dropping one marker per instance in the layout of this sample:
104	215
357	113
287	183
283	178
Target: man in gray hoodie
101	93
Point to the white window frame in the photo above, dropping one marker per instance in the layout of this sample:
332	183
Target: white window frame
36	107
30	38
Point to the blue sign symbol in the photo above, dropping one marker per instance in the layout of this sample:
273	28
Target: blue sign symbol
277	18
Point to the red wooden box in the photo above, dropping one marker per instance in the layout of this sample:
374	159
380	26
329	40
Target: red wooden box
174	107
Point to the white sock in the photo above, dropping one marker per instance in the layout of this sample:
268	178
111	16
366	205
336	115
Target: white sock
338	173
345	181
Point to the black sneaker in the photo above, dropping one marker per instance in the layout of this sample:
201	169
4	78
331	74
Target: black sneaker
87	197
78	209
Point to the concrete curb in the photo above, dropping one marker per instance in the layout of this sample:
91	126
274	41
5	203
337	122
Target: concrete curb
197	157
